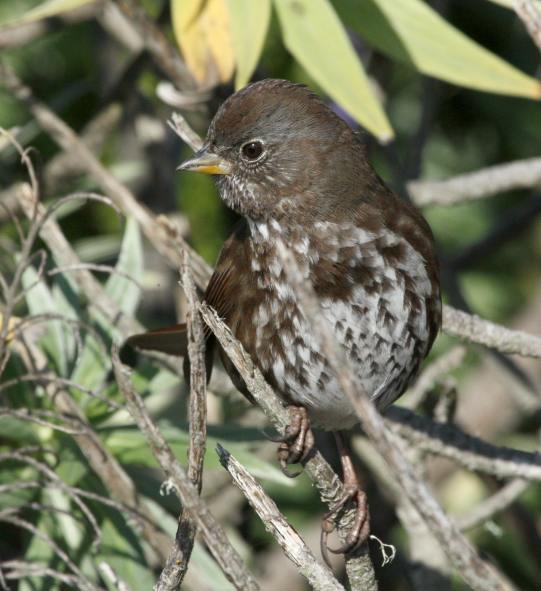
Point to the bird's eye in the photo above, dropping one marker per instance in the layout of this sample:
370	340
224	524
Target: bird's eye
252	150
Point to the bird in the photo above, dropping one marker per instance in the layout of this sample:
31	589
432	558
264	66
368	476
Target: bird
299	177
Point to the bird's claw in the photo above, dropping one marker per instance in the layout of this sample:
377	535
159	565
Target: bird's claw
297	442
360	529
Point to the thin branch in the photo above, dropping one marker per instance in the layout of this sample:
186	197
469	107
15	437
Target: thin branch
449	441
318	575
213	534
483	332
108	573
84	583
494	504
19	569
177	562
530	16
520	174
433	374
64	165
182	128
359	567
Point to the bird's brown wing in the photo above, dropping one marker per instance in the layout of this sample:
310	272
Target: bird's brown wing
219	294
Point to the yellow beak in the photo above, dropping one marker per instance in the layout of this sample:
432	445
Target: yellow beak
207	163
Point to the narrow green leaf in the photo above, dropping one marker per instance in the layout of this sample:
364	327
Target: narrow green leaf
93	363
40	301
249	25
123	290
130	447
315	36
45	10
410	31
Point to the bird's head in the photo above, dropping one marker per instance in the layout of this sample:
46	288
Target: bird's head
277	150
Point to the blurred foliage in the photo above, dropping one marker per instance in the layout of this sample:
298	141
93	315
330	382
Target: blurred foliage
369	58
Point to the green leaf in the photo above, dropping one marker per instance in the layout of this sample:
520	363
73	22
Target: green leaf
249	26
123	290
412	32
123	552
45	10
40	301
313	33
130	447
94	363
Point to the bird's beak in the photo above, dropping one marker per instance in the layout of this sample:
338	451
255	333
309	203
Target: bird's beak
207	163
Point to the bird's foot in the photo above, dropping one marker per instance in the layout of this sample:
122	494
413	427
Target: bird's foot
353	493
297	441
360	530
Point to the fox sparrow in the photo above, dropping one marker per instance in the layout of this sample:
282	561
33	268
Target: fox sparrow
299	176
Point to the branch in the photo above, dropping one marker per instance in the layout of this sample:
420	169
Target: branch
529	15
213	534
318	575
483	332
471	452
359	567
177	562
496	503
520	174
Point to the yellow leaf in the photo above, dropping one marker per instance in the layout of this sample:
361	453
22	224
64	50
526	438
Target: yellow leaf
438	49
12	325
203	32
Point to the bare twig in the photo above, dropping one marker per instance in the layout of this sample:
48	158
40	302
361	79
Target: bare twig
177	562
530	16
318	575
494	504
182	128
213	534
108	572
520	174
483	332
433	373
19	569
83	583
471	452
359	567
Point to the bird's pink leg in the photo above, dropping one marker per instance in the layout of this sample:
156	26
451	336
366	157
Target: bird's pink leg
352	492
297	442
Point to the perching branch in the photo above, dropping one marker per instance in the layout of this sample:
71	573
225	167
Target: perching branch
359	567
177	562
